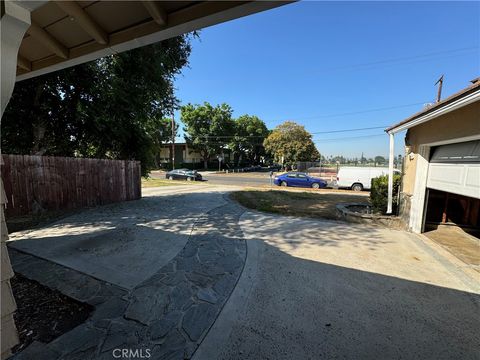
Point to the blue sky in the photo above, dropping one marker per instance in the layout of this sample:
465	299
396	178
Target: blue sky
316	63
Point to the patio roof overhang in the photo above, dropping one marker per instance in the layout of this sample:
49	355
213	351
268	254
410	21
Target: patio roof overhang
68	33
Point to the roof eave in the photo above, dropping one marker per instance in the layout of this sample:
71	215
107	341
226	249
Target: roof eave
446	108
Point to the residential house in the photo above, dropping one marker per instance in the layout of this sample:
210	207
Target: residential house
441	179
184	154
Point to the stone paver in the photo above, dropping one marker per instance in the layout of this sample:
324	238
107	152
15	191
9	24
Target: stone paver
169	313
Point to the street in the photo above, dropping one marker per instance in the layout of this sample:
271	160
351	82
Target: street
246	179
252	179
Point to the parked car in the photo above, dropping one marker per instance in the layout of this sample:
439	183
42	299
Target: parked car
183	174
299	179
359	178
274	167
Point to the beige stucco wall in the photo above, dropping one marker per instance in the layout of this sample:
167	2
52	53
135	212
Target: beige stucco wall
409	168
460	123
189	155
8	332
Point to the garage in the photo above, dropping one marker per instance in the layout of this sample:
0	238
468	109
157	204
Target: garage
453	187
452	206
440	189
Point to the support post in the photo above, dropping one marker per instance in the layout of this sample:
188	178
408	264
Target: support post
173	142
15	20
14	23
390	174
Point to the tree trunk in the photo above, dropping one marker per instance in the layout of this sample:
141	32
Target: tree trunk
38	124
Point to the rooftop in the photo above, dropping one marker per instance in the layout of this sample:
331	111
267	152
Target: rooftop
473	89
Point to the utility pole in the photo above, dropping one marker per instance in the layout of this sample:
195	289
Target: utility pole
440	85
173	141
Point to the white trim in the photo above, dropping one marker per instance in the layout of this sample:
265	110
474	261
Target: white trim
454	141
418	199
29	5
463	101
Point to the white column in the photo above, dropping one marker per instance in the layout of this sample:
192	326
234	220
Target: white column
390	174
15	21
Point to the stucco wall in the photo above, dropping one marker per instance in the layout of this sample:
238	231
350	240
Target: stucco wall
409	168
456	124
189	155
8	332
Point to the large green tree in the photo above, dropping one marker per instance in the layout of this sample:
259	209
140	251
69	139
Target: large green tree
250	132
207	128
113	107
292	143
380	160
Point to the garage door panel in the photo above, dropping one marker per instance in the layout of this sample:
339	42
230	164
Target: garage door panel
447	174
462	179
473	176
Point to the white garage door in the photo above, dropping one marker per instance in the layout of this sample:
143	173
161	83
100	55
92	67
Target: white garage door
455	168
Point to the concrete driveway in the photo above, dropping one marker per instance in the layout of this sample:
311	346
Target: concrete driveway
186	272
322	289
125	243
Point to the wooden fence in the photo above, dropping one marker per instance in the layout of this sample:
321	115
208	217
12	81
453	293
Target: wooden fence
34	184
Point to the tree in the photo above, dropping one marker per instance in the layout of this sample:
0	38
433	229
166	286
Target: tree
207	128
161	133
363	160
250	132
380	160
292	143
113	107
339	159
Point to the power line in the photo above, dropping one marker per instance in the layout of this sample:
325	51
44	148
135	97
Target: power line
324	140
421	57
348	130
361	112
321	141
313	133
332	115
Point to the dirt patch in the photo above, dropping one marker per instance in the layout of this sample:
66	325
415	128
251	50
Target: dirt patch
297	203
462	245
44	314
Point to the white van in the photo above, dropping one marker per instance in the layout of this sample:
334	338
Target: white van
359	178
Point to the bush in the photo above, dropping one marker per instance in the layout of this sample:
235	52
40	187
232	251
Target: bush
379	193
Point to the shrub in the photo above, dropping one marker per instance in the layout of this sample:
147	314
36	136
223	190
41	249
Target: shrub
379	193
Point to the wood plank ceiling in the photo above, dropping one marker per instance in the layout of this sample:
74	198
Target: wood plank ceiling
64	30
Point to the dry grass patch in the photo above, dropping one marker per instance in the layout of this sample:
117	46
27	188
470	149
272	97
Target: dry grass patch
297	203
150	182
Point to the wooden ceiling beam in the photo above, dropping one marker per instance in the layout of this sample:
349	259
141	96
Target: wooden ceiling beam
156	12
84	20
23	63
48	40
